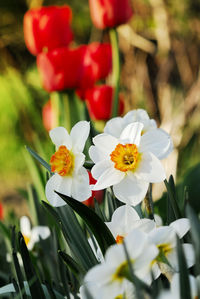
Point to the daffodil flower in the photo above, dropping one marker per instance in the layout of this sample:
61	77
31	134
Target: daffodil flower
70	177
124	220
126	163
95	291
162	145
165	239
111	276
32	235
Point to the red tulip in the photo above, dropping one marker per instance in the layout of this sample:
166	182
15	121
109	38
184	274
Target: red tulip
110	13
98	195
99	102
65	68
48	116
47	28
1	211
62	68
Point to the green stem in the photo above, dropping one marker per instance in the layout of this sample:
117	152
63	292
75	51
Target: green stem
115	70
74	108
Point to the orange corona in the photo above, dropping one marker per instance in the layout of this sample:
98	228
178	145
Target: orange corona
62	162
125	157
119	239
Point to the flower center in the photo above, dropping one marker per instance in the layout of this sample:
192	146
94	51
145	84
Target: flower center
125	157
119	239
62	161
121	272
26	239
164	248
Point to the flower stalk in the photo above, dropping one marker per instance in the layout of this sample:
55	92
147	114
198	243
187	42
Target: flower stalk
115	70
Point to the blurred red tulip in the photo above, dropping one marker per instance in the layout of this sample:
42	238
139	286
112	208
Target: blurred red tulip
48	116
99	102
65	68
98	195
47	28
97	63
61	69
110	13
1	211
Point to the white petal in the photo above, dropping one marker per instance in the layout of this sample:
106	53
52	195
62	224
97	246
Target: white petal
122	220
109	177
79	134
163	235
60	136
158	142
127	213
60	184
79	161
100	167
38	232
136	115
189	254
80	189
106	143
131	191
181	226
150	169
114	126
136	237
132	133
25	226
96	154
145	225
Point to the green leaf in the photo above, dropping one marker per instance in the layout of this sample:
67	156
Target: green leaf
38	158
185	292
74	235
33	281
97	226
16	264
195	234
172	196
70	262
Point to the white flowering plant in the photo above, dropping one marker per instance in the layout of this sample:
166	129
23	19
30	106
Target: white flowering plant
106	220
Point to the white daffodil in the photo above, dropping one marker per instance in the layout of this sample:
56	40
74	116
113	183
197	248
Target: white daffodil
175	292
32	235
96	292
165	239
110	276
70	177
126	163
124	220
162	145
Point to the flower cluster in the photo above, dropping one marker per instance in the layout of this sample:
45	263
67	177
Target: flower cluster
64	67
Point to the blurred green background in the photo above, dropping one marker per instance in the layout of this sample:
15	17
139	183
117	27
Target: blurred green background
160	52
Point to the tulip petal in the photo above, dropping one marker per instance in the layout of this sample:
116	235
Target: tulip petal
60	136
59	184
150	169
79	135
158	142
132	133
131	191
